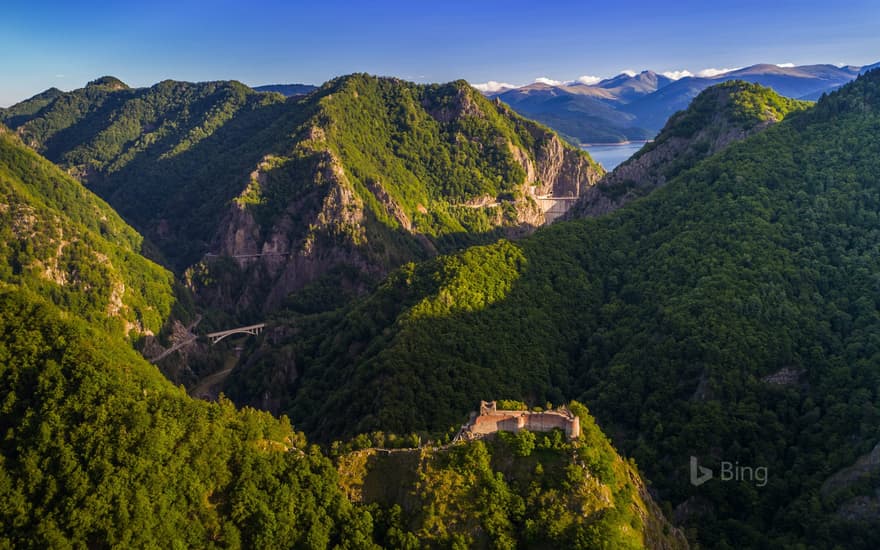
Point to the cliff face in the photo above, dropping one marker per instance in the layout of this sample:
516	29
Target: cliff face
718	117
563	172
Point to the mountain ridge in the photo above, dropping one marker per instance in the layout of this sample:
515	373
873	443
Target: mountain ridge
653	98
720	116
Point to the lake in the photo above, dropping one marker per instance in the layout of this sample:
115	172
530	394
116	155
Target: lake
609	156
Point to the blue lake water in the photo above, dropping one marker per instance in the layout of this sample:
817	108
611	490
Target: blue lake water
609	156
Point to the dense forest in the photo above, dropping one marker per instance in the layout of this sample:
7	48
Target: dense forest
100	450
730	315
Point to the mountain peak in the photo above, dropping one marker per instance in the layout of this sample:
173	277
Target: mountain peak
110	82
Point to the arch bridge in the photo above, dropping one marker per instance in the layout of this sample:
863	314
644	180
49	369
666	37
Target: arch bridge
250	329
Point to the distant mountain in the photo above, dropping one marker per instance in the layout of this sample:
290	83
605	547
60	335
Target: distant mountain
287	90
626	87
638	106
867	68
262	195
587	113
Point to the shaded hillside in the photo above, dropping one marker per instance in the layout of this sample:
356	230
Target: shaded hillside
20	112
168	158
365	173
58	239
730	316
719	116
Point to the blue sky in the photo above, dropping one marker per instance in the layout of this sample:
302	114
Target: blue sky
65	44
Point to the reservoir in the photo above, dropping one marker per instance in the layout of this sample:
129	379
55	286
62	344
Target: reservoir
610	155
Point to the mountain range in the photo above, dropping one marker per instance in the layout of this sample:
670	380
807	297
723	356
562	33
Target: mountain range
99	449
632	107
258	195
712	301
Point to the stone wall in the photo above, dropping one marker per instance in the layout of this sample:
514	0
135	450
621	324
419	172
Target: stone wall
491	420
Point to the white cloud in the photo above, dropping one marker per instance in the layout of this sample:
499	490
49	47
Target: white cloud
629	72
675	75
785	65
493	86
587	79
709	73
548	81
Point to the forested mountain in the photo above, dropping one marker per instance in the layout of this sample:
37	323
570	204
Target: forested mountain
718	117
730	315
357	177
99	450
59	240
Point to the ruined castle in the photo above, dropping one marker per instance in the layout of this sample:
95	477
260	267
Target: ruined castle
491	420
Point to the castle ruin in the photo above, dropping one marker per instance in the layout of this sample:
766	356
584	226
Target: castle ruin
491	420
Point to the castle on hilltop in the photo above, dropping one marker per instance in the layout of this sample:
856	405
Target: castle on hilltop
491	420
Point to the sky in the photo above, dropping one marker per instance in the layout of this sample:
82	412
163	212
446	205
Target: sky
65	44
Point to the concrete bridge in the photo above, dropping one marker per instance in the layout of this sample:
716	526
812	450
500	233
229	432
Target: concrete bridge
250	329
554	207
